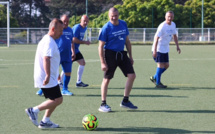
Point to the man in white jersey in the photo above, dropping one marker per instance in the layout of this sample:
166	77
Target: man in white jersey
160	47
46	71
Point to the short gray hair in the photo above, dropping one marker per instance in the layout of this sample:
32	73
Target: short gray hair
54	23
113	9
170	12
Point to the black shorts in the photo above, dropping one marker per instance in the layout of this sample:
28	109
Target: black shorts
52	93
114	59
79	56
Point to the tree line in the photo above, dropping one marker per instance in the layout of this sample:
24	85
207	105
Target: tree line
137	13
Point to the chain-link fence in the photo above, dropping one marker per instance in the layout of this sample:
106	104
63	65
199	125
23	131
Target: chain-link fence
137	35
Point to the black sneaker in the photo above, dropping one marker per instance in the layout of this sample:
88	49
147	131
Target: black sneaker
32	116
128	105
153	79
81	84
161	86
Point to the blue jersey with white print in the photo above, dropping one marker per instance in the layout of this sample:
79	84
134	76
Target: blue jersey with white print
78	32
64	44
114	36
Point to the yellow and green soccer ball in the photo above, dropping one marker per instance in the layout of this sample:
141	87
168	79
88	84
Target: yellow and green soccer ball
90	122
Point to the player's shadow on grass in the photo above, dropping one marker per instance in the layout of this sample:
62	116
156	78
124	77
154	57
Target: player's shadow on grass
127	130
133	95
176	111
153	88
147	88
3	67
174	88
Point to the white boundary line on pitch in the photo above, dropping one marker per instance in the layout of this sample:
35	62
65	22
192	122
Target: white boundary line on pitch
97	60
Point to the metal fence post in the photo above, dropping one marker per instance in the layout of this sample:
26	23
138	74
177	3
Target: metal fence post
209	35
90	34
28	36
144	35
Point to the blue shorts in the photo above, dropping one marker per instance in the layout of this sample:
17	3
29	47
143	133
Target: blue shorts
66	66
161	57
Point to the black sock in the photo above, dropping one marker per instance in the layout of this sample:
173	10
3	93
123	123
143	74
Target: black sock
103	103
125	99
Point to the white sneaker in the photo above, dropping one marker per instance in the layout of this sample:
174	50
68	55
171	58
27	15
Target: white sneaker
104	108
32	116
48	124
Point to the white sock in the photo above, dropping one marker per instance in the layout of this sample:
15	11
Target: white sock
36	109
62	76
45	119
80	73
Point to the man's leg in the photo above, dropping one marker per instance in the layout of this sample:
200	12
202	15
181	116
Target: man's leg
161	68
104	87
67	68
80	72
129	84
66	80
49	106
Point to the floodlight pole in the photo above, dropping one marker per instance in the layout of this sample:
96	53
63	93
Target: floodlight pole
86	7
8	24
202	18
87	13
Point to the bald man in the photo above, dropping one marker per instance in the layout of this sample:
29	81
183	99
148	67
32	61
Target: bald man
79	32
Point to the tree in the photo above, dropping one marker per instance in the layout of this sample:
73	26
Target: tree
30	13
209	13
150	13
3	18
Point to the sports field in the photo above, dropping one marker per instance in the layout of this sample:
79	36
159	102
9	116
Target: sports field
186	106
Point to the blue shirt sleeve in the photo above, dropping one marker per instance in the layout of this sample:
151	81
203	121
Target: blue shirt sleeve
76	31
103	34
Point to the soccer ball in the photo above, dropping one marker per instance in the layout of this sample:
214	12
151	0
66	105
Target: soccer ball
90	122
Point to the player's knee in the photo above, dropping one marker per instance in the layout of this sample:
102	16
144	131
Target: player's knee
82	62
68	74
58	101
167	66
106	81
132	76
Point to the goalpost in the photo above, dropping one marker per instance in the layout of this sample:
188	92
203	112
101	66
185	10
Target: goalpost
8	22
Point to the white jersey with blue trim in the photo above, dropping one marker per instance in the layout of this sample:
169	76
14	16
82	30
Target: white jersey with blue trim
164	32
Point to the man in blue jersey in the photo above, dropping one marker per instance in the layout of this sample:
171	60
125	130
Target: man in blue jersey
79	32
112	40
67	54
160	47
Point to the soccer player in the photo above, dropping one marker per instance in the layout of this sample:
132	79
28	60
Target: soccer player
112	40
160	47
78	32
46	71
67	53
